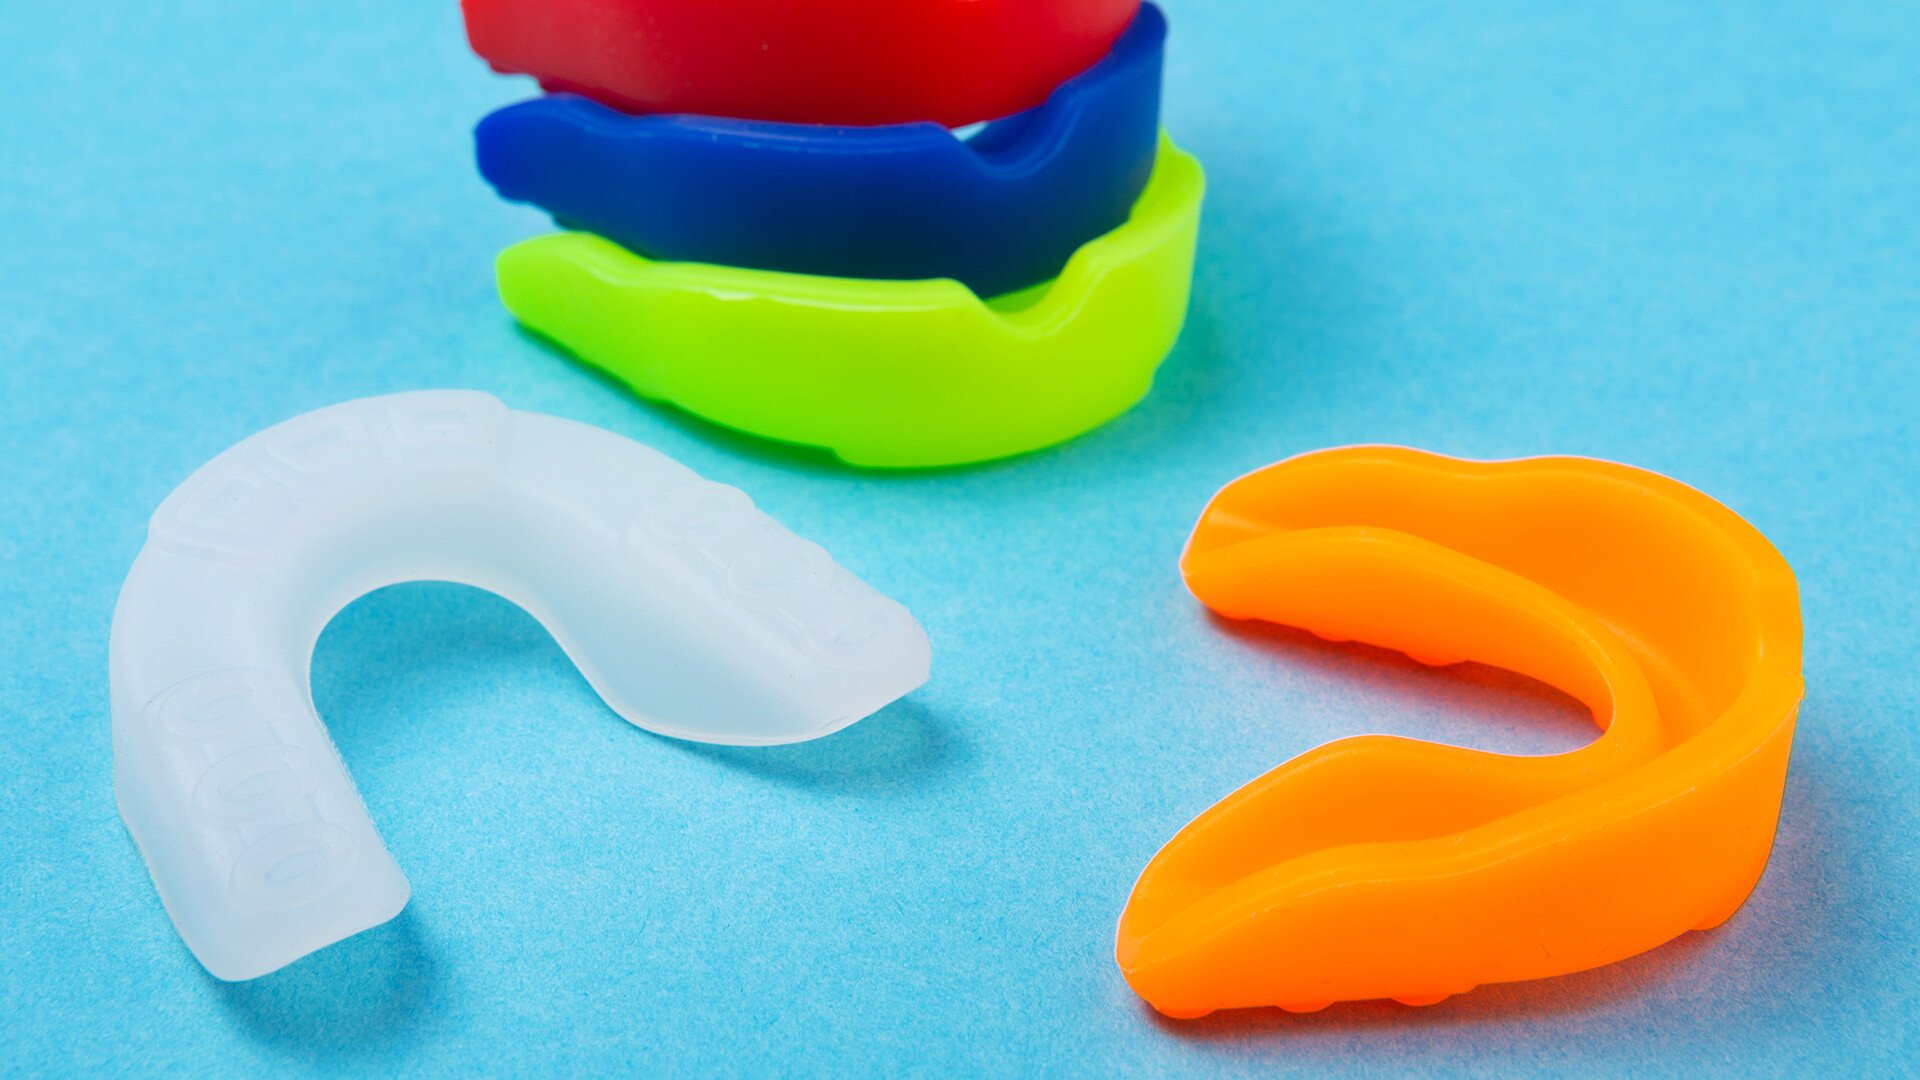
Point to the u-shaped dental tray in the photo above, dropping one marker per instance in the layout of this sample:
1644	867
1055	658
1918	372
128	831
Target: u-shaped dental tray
690	612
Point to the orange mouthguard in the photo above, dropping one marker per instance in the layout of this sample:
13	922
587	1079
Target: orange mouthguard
1379	867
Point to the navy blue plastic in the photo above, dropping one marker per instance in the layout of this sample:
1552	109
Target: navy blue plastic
999	212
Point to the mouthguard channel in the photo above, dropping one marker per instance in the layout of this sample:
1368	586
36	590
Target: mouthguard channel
1383	867
690	612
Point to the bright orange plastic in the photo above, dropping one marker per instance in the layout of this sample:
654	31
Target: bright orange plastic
1380	867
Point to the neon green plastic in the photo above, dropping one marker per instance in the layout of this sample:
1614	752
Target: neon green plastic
886	374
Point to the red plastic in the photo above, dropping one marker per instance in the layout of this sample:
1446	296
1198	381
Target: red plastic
955	62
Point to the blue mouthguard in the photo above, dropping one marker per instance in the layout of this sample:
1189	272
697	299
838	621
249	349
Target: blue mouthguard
1000	211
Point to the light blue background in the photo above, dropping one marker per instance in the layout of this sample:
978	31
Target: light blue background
1685	236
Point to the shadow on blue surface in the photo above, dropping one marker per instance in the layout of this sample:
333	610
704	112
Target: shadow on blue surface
370	996
904	747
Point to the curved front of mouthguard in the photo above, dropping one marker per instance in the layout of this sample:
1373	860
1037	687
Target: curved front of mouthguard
1388	868
886	374
692	614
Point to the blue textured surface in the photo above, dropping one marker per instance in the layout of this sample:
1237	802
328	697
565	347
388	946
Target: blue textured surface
1680	235
1001	212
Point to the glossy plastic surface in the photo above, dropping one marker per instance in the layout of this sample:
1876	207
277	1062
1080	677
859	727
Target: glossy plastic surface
953	62
1385	867
883	373
689	611
999	212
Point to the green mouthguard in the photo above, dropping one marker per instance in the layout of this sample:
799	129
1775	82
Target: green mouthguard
886	374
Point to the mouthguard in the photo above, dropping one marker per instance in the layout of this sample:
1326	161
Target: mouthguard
1381	867
889	374
999	212
954	62
690	612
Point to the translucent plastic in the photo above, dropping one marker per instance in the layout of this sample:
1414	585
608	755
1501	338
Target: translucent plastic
1379	867
690	612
